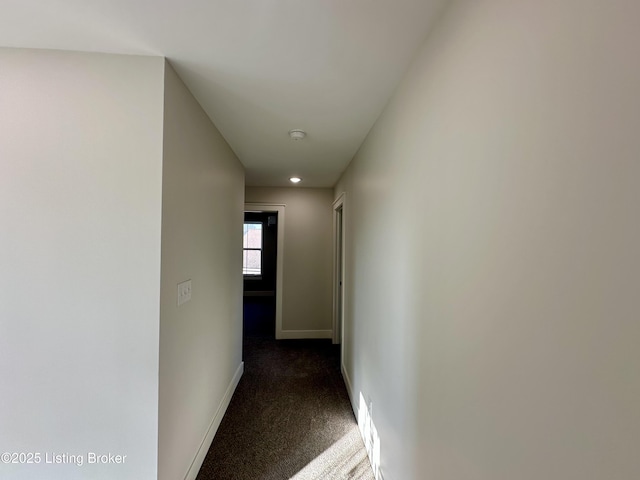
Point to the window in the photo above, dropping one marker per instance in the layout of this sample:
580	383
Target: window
252	249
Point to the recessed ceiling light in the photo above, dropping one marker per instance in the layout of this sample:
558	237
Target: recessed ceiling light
297	134
295	179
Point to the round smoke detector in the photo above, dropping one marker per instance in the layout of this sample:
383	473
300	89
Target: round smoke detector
297	134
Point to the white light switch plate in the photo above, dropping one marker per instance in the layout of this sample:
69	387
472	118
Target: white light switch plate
184	292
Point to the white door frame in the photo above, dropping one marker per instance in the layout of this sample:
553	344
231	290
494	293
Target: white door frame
274	207
338	270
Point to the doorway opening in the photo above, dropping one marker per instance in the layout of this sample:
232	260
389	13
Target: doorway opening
259	254
338	271
262	270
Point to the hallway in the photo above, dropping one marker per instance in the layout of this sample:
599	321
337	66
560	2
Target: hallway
290	418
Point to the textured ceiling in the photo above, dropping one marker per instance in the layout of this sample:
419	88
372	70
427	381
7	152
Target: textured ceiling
258	67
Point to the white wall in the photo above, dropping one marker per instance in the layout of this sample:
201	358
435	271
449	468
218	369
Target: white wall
200	341
307	288
493	258
80	193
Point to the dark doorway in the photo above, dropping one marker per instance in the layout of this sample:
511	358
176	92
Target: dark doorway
259	269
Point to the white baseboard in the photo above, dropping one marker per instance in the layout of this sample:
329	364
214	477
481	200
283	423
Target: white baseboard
347	382
302	334
372	443
192	473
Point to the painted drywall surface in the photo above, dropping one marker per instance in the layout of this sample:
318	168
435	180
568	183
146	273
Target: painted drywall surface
307	297
200	341
493	248
80	191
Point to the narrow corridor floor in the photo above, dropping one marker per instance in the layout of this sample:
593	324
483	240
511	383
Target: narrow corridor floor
290	418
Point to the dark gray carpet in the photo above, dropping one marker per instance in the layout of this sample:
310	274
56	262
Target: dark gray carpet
290	418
